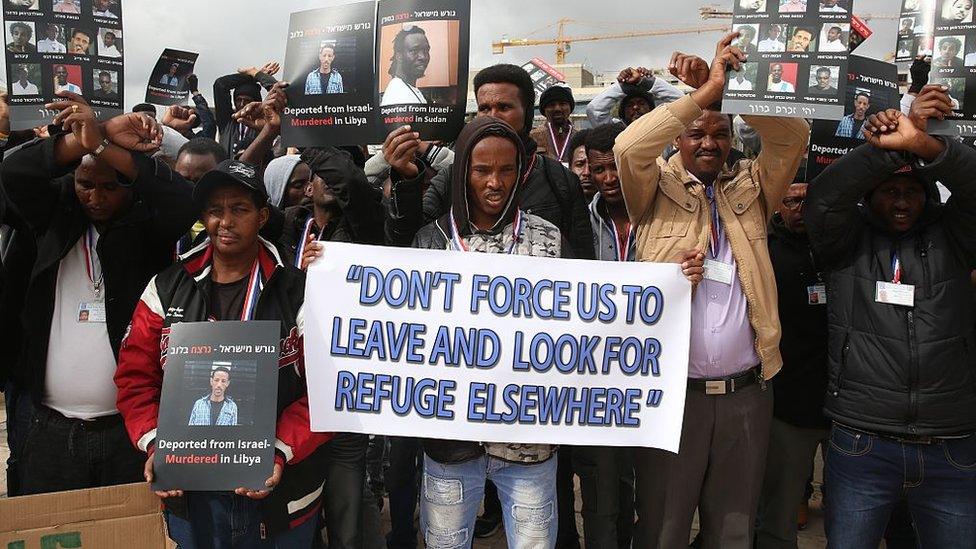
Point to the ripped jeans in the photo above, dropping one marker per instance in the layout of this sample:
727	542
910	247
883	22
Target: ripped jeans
452	493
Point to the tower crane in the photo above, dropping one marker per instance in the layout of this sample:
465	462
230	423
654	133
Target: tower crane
563	42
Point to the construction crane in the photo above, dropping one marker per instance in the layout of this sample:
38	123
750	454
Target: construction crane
563	43
712	12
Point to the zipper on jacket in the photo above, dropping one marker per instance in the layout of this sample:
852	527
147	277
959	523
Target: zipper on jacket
843	363
923	251
913	372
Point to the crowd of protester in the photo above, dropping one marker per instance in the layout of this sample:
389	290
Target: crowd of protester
835	313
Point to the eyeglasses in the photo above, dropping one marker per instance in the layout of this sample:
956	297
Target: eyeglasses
793	202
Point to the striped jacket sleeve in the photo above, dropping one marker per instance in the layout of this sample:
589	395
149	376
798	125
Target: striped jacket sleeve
139	376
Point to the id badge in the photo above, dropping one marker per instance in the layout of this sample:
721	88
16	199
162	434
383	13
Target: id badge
91	312
895	294
718	271
817	294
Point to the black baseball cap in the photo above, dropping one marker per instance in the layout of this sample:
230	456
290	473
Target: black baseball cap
234	172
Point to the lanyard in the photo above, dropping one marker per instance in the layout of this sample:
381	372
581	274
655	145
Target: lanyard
715	235
254	287
458	243
895	268
622	253
304	240
92	264
561	151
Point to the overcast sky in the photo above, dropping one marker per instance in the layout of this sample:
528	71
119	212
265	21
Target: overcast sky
233	33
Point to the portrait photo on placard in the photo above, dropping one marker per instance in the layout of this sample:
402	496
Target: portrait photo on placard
823	80
105	84
106	9
834	38
802	39
750	6
21	37
745	79
956	12
67	78
773	38
17	5
957	91
833	6
219	393
52	38
748	39
72	7
793	6
948	53
418	63
25	78
82	41
332	68
782	77
110	43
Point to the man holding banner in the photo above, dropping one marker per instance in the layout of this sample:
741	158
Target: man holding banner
692	202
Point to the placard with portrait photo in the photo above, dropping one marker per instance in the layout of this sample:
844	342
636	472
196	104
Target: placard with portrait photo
167	81
218	410
786	44
64	47
954	65
916	26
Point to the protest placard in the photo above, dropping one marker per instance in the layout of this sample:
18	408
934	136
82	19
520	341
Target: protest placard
543	75
422	65
338	96
872	87
954	66
63	45
797	56
496	348
218	410
915	28
167	82
329	65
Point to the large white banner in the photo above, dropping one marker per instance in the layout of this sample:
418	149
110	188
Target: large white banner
496	348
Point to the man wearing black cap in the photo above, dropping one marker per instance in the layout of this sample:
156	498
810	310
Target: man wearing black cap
552	137
637	91
106	218
235	275
901	387
232	93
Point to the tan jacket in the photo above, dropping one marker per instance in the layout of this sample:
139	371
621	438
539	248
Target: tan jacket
540	134
671	212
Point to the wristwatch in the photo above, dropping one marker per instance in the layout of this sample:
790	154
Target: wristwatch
101	147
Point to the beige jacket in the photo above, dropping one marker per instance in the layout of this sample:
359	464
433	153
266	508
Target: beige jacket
671	212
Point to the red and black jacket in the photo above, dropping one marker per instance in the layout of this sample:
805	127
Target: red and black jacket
180	294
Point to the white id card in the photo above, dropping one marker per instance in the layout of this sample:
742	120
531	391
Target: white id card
91	311
817	294
895	294
718	271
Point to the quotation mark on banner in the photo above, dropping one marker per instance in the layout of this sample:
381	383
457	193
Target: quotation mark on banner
654	397
355	273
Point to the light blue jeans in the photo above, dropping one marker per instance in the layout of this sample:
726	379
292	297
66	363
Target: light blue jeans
452	493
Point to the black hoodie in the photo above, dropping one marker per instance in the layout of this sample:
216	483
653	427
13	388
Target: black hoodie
893	369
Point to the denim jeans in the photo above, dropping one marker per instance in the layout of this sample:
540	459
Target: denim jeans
867	475
221	520
452	493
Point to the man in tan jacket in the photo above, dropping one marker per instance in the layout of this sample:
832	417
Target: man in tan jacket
695	202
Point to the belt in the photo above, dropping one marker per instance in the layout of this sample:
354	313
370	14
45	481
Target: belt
99	423
729	384
924	440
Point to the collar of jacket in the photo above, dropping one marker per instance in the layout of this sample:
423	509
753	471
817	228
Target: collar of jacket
199	260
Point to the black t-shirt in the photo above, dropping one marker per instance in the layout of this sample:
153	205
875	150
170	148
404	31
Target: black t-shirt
215	408
227	300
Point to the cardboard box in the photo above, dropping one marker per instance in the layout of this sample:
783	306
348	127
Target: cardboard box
100	518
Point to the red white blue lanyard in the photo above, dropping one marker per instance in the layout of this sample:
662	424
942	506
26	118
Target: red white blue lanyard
254	287
458	243
622	253
92	265
561	151
303	241
895	269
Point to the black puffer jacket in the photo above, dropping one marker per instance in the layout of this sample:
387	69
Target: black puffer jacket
894	369
551	192
800	386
